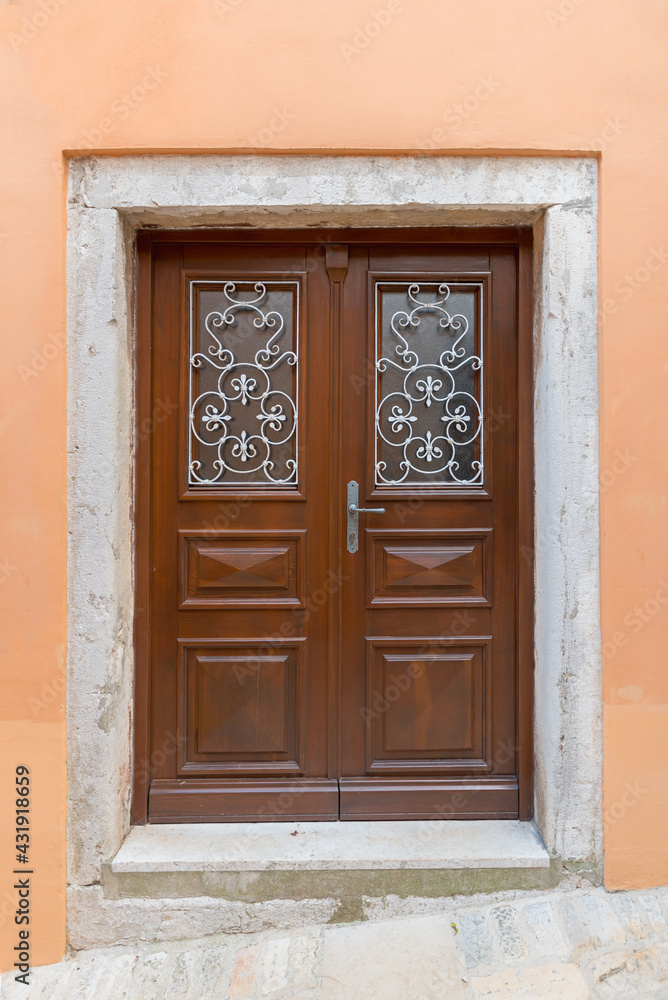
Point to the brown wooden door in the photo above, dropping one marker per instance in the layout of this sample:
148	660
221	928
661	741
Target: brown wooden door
290	670
428	624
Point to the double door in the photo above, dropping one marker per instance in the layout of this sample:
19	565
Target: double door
333	609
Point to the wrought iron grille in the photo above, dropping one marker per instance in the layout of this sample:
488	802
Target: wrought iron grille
429	415
243	405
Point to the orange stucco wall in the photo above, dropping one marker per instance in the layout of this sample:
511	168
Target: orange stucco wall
372	75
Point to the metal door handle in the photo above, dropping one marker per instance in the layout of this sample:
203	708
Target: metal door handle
352	511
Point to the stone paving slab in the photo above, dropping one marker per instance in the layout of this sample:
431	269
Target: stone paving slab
391	960
573	943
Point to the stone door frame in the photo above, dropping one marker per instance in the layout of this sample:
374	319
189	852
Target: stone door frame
109	198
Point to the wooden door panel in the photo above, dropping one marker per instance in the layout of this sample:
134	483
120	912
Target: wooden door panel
236	570
427	568
240	707
203	800
459	258
247	256
428	705
428	798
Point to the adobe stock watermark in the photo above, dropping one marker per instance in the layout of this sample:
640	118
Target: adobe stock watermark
458	803
636	620
628	799
31	26
280	804
227	514
317	256
398	684
7	568
123	106
620	465
556	16
458	114
40	359
492	421
144	769
365	34
550	536
162	411
634	281
332	583
223	7
50	691
613	128
401	681
278	122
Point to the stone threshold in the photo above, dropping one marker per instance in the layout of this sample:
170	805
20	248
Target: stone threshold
260	861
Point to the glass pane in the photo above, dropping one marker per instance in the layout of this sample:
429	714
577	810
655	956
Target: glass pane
428	384
243	383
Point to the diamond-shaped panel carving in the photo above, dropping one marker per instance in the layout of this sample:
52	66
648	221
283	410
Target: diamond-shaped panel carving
240	570
429	566
243	568
440	567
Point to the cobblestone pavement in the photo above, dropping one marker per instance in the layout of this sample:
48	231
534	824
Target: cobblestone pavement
570	944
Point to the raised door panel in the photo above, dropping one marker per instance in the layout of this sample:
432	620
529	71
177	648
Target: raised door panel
428	706
426	568
239	707
237	570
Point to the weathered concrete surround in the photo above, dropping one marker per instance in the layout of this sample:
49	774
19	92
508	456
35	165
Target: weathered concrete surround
579	944
108	199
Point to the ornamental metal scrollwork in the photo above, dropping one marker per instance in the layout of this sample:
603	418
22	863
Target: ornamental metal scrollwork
243	393
428	387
